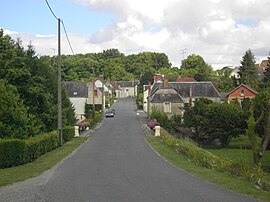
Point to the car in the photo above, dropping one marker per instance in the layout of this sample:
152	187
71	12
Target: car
109	113
113	110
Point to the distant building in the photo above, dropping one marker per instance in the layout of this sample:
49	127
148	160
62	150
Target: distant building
126	89
77	93
241	92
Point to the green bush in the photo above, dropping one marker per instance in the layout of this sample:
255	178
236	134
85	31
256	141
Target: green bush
162	118
206	159
12	152
68	133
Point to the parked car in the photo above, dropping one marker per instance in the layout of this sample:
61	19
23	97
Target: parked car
109	113
113	110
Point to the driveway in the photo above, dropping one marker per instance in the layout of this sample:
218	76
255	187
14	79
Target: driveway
116	164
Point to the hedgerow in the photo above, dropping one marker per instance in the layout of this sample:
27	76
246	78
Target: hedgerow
252	172
15	152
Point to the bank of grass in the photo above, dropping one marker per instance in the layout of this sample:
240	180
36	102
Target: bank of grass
224	179
43	163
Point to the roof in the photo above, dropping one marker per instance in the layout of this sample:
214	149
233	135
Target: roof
186	79
199	89
245	86
76	89
126	83
170	97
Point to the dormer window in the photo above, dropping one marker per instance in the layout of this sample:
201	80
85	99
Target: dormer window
75	93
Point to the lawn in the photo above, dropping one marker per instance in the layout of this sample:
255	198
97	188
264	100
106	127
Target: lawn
239	150
224	179
43	163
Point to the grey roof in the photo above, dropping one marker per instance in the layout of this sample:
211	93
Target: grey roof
160	98
76	89
127	83
199	89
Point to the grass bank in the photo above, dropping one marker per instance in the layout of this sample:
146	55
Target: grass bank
224	179
45	162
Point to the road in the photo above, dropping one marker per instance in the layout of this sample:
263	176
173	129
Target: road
116	164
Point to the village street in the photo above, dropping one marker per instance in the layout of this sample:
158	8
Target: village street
116	164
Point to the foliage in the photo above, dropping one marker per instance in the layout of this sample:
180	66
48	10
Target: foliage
224	121
226	83
139	101
247	70
15	152
195	117
14	119
266	79
162	118
35	81
206	159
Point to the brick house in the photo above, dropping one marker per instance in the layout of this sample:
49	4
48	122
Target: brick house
240	92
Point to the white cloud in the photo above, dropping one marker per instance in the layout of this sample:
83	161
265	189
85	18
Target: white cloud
209	28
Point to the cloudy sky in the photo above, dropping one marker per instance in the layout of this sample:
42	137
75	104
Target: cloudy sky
218	30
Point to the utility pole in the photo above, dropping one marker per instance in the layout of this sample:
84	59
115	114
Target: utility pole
94	110
183	53
59	88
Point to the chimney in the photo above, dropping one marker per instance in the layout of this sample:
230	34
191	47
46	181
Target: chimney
149	88
190	91
166	83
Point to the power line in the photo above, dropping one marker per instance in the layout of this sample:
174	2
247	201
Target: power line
51	9
67	37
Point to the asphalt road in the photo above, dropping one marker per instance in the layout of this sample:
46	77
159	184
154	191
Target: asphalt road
116	164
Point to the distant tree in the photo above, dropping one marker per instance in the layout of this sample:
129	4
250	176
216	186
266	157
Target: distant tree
247	70
226	83
170	73
193	62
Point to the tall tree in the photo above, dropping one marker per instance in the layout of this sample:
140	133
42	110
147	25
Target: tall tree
267	74
247	70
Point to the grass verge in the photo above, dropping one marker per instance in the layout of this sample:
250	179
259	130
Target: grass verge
43	163
224	179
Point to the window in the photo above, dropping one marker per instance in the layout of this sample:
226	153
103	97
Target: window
167	107
126	90
75	93
165	93
95	93
242	93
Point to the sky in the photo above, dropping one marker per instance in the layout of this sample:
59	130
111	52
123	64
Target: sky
220	31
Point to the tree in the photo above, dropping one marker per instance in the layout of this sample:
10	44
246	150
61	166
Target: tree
202	71
15	121
195	117
224	121
247	70
266	79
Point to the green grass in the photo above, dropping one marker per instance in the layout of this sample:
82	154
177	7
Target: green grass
45	162
239	150
224	179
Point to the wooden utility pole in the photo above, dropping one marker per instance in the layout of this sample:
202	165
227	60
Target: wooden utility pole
59	89
94	110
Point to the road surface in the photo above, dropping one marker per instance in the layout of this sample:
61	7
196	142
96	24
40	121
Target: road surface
116	164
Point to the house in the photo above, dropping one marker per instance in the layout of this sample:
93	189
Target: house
235	73
261	69
172	97
240	92
77	93
126	89
94	94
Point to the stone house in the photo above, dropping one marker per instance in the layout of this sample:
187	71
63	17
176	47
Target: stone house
94	94
172	97
126	89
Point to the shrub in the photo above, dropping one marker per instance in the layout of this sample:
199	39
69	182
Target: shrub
162	118
206	159
68	133
12	152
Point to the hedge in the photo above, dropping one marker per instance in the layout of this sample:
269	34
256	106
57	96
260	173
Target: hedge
15	152
252	172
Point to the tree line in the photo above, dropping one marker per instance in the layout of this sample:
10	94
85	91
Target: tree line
28	92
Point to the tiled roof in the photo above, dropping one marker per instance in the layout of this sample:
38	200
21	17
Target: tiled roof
76	89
